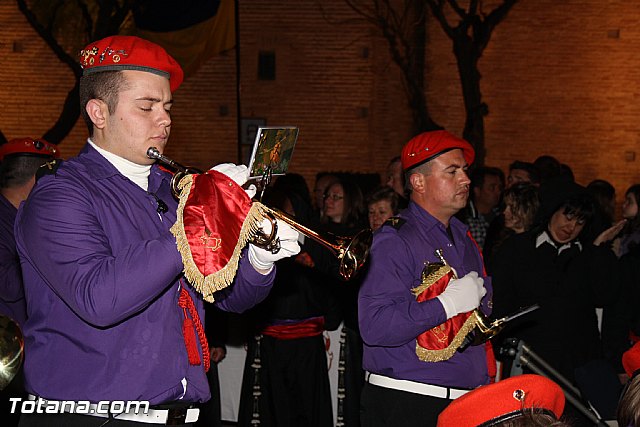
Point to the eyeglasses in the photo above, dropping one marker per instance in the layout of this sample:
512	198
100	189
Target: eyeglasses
334	197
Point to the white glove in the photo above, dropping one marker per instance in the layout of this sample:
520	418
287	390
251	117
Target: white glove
263	259
462	295
251	191
238	173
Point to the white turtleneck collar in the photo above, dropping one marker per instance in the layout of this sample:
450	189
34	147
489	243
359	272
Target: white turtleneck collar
139	174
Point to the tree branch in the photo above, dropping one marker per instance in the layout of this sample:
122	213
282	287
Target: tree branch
437	10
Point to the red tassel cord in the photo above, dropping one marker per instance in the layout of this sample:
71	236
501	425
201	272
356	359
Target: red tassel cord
186	303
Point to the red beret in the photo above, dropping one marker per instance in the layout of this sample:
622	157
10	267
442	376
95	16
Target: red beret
631	359
29	147
130	53
504	400
428	145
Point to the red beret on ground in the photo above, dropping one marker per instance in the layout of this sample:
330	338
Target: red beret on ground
428	145
504	400
29	147
117	53
631	359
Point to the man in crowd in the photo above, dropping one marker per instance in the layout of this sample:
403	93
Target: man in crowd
487	184
522	172
19	161
110	314
408	384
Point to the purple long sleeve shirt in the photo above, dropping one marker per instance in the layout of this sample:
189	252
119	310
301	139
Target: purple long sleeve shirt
12	303
102	278
390	317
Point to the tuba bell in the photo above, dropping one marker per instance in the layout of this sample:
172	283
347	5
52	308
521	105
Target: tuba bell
352	251
11	350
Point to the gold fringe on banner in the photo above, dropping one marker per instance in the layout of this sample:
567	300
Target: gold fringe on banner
446	353
207	285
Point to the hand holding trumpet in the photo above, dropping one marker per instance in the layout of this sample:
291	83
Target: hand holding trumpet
352	251
285	243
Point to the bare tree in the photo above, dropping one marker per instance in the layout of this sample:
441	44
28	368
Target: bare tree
66	27
402	24
470	37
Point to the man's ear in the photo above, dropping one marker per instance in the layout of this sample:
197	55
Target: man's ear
417	182
98	112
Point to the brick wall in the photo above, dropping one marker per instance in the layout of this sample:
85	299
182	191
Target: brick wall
560	78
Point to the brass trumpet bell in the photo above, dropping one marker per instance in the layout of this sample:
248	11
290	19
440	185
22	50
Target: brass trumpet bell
11	350
485	329
352	251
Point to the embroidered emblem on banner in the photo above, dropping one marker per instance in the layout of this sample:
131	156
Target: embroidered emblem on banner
213	243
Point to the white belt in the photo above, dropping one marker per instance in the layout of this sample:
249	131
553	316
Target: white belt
414	387
170	416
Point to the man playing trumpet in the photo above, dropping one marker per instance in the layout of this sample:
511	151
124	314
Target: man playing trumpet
411	338
110	315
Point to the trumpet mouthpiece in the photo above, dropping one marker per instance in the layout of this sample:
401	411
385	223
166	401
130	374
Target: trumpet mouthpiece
153	153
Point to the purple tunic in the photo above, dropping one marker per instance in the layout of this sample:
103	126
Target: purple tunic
102	279
12	302
390	317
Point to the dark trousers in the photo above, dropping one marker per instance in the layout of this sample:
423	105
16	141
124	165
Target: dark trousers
211	411
292	381
385	407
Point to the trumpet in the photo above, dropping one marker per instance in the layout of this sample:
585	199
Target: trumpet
352	251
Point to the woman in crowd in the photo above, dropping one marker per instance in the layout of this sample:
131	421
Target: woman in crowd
568	276
621	321
343	215
630	235
285	381
382	204
521	203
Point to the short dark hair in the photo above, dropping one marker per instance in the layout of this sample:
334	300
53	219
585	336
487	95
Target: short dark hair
106	86
17	170
529	168
478	175
580	206
422	168
548	167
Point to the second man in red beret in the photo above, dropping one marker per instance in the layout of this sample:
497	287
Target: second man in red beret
411	335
